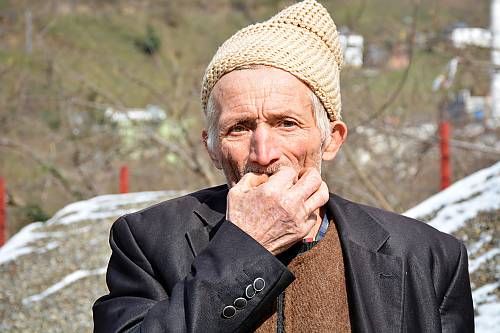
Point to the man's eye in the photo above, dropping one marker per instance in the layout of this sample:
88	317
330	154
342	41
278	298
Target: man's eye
237	129
288	123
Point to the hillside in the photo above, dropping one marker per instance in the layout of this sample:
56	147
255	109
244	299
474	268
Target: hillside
58	146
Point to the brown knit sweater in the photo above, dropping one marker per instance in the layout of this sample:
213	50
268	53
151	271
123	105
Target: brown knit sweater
317	300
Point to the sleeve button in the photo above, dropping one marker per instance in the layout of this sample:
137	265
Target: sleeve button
229	312
259	284
249	291
240	303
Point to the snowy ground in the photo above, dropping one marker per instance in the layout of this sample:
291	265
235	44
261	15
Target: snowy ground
51	273
469	209
98	208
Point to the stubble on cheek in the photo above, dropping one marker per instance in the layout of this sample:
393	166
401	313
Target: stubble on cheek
232	172
314	160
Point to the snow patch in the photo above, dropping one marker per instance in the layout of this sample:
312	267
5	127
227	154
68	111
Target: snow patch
97	208
487	319
17	244
105	206
475	247
484	294
476	263
67	280
462	201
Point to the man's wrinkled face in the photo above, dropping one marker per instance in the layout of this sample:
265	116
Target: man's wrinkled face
266	121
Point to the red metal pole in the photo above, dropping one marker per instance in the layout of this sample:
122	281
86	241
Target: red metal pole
444	136
3	221
124	179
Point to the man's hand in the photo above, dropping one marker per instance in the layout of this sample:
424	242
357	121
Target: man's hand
278	210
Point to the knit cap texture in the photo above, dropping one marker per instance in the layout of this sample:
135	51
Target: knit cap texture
301	39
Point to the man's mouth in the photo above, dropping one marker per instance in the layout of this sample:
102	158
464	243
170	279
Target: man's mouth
269	170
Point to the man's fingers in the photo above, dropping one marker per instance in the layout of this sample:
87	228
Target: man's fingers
311	221
252	180
317	199
307	184
284	178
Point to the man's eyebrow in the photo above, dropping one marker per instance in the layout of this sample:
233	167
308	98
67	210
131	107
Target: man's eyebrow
298	114
238	119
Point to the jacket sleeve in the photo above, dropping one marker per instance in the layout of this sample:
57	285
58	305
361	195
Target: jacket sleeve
457	313
139	302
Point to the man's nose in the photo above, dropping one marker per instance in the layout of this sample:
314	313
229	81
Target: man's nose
264	149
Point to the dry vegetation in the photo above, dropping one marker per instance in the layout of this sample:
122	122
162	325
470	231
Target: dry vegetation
56	145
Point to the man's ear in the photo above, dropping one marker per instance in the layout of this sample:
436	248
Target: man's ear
338	134
211	153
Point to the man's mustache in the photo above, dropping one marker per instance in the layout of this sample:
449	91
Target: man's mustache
268	170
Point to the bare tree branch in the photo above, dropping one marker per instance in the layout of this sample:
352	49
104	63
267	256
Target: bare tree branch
399	88
366	182
477	147
191	160
51	168
94	87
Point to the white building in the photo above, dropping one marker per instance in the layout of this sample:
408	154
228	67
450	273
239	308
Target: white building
352	45
462	37
151	114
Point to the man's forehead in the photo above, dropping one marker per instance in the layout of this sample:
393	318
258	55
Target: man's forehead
260	79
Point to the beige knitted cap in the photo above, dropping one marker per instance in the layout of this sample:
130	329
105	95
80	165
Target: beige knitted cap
301	39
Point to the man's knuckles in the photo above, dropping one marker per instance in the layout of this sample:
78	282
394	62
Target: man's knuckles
285	172
325	194
235	192
304	229
282	179
252	180
289	206
309	182
313	178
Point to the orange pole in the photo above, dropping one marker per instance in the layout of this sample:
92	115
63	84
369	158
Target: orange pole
124	179
444	136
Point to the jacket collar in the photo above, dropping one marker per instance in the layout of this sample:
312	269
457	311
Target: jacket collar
213	210
356	224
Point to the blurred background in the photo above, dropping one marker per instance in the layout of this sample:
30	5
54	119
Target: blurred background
89	86
91	90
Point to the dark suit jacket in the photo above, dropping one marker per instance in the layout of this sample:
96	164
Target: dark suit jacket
176	265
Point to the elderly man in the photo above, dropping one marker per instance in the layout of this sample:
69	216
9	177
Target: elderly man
273	251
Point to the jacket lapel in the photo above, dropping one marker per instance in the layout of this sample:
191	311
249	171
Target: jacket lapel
374	278
208	214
